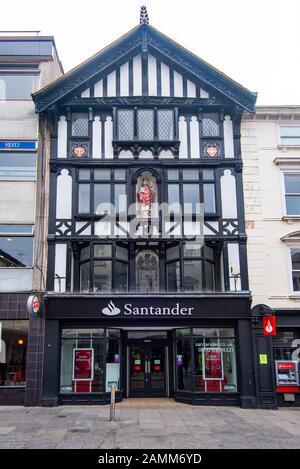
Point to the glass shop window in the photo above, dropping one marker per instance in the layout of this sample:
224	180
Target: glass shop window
13	352
206	360
90	361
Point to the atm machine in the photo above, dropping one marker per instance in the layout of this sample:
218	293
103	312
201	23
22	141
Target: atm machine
287	376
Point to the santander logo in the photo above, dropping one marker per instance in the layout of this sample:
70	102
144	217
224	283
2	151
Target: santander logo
269	327
111	309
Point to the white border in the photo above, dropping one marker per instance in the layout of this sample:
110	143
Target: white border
73	374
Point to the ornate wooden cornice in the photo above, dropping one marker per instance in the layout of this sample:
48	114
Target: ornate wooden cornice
131	43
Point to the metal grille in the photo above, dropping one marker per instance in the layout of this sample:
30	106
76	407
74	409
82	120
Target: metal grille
84	174
208	175
80	124
126	124
146	124
210	126
165	124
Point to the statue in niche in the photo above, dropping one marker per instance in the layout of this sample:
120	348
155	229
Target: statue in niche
146	198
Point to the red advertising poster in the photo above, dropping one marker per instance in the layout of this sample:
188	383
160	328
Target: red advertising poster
213	364
83	364
269	325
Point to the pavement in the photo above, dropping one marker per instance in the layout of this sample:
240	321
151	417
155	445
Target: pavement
148	425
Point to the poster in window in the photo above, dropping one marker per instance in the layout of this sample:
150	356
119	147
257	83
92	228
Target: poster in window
213	364
83	364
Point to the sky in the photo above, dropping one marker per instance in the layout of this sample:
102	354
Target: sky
255	42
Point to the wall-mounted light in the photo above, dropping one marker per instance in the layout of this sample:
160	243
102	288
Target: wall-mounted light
20	341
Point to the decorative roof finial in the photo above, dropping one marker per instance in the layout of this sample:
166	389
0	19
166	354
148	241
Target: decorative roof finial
144	18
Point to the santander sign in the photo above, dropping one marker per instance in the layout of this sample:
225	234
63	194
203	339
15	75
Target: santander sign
129	310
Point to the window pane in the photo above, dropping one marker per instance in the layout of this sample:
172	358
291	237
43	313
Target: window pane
290	140
16	251
165	124
296	281
174	198
209	253
215	365
20	166
292	183
16	229
84	198
290	131
192	276
173	174
191	198
210	276
120	174
192	249
190	174
209	198
210	126
125	124
85	254
173	253
102	174
17	86
102	276
122	253
102	250
184	368
173	276
121	280
13	352
80	124
101	198
208	175
146	124
85	277
292	204
84	174
120	198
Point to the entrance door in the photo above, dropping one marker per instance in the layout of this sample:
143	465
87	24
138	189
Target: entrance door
147	376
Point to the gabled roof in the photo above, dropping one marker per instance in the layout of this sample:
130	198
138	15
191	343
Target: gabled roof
141	38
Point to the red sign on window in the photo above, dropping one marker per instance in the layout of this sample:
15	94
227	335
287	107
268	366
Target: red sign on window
83	366
269	325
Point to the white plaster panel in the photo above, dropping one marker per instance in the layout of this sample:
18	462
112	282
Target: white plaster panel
228	138
97	133
165	80
62	137
178	85
124	79
108	148
85	93
137	75
111	84
152	76
191	89
64	195
98	89
228	194
195	138
183	149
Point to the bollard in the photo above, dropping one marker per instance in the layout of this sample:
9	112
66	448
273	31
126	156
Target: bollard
112	403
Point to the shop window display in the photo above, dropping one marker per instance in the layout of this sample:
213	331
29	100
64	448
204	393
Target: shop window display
89	360
206	360
13	351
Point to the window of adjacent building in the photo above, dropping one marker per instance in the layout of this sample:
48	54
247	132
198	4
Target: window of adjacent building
16	251
292	193
13	352
290	135
90	360
18	166
80	124
206	360
295	262
17	86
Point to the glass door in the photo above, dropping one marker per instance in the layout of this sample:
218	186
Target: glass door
147	370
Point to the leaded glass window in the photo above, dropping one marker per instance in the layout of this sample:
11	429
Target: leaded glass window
125	124
210	126
80	124
165	124
146	124
147	272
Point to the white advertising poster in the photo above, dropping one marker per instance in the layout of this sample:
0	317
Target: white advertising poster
112	376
